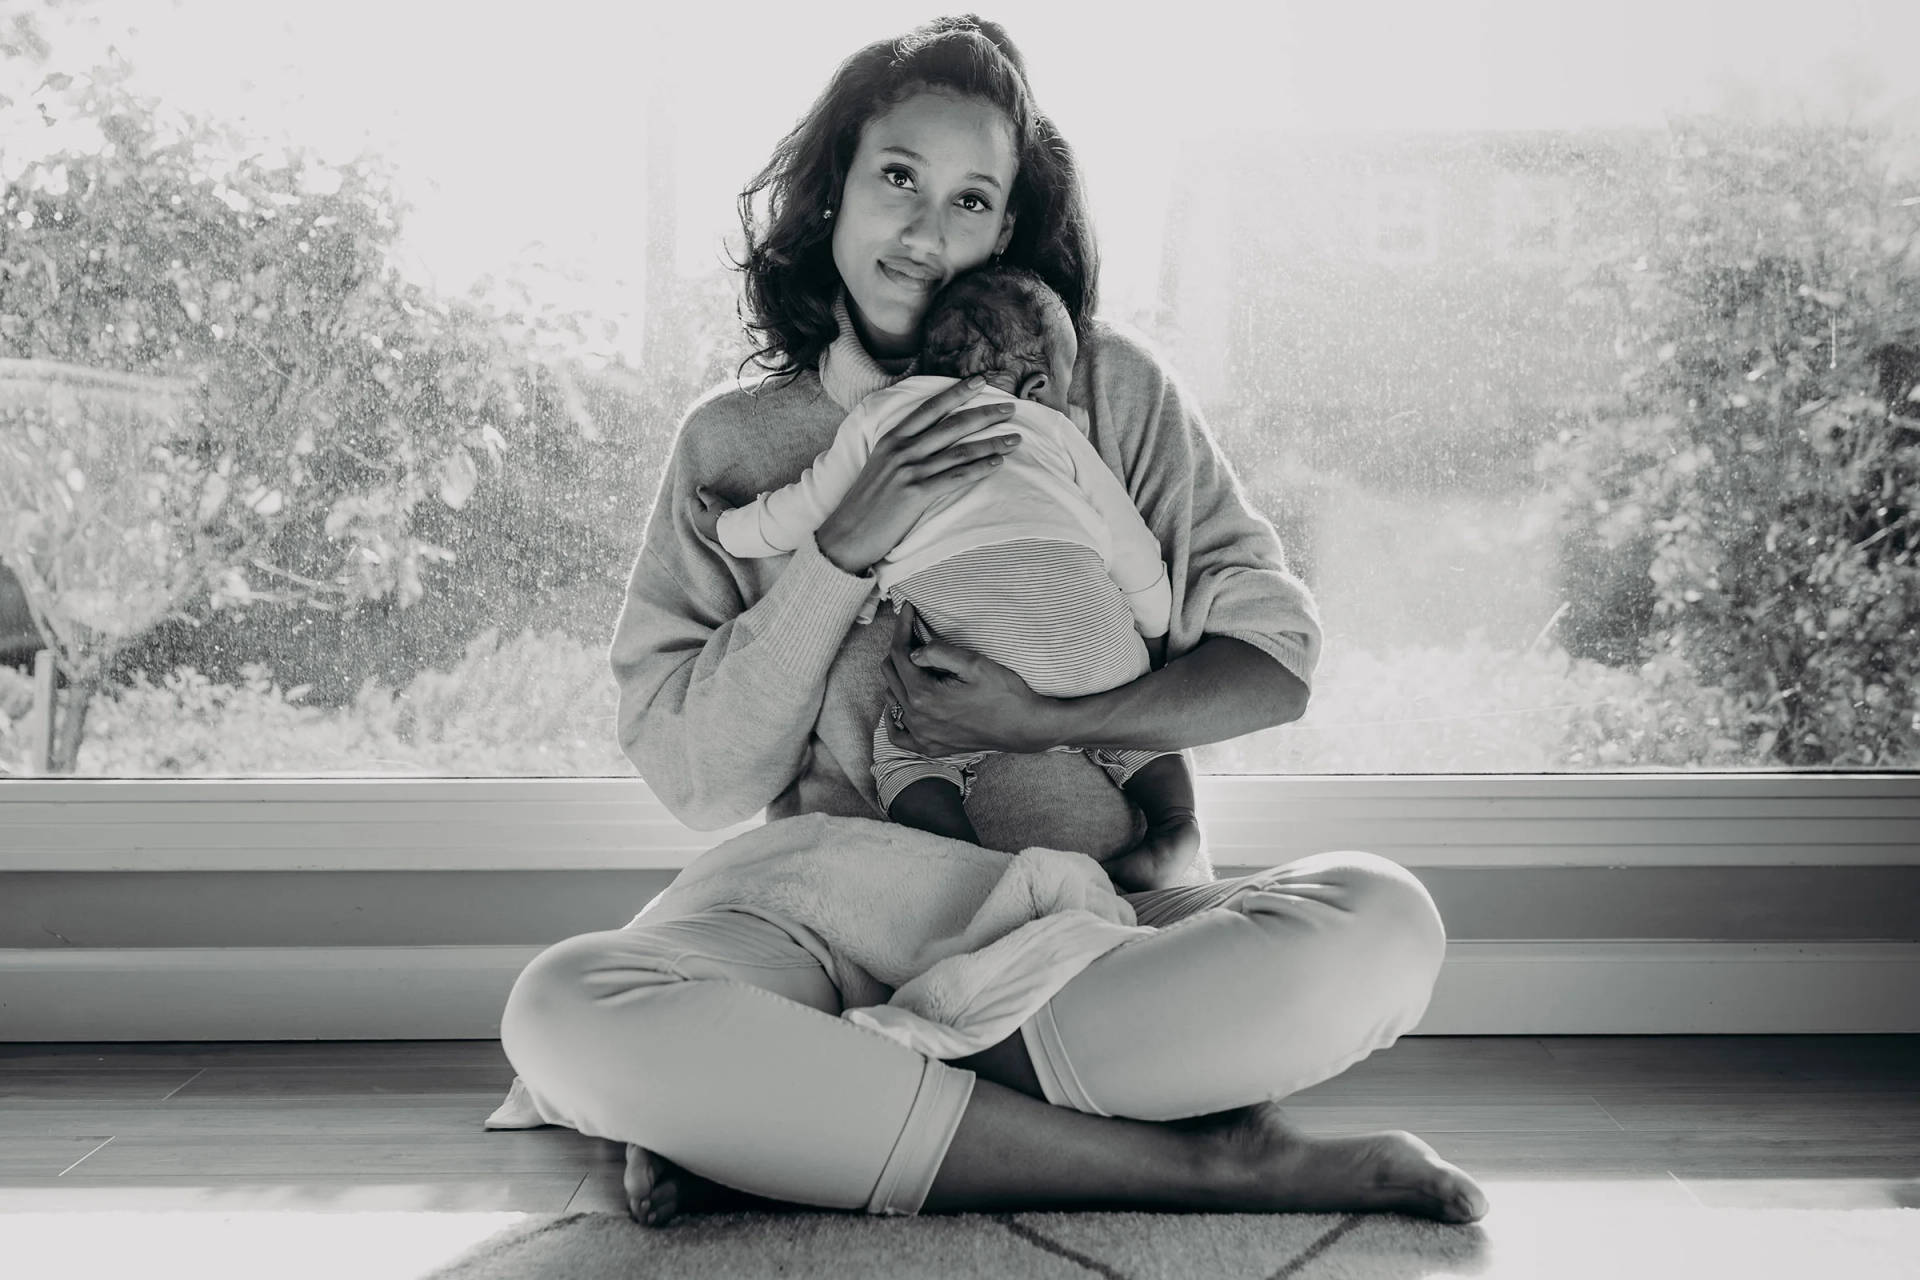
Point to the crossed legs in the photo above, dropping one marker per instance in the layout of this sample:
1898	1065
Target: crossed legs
714	1043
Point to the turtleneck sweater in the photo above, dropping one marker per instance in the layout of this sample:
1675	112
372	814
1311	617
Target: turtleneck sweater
848	371
745	685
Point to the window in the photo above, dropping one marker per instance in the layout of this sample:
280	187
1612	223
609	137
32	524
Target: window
1532	218
1402	220
341	351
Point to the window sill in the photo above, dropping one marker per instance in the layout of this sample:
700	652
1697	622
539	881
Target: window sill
412	824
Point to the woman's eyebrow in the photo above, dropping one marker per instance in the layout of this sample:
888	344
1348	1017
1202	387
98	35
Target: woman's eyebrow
917	158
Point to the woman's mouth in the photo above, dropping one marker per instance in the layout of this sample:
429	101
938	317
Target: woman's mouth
908	279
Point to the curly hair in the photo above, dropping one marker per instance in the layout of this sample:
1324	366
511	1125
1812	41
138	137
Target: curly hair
790	281
993	318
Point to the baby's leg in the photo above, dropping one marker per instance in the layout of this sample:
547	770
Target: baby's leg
920	791
932	804
1160	783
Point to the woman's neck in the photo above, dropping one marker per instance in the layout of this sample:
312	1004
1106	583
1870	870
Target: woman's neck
850	372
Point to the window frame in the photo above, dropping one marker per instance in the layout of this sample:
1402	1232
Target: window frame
135	826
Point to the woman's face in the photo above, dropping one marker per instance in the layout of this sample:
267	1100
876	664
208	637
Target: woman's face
925	200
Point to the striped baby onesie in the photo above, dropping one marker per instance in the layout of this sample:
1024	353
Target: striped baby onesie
1049	610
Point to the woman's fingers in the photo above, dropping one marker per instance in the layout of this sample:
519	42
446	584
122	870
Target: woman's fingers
931	438
967	461
939	405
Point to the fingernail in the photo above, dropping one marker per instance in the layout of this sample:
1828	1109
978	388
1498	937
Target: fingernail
977	380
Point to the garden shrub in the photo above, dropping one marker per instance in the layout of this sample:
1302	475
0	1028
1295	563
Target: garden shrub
1474	707
1751	490
541	704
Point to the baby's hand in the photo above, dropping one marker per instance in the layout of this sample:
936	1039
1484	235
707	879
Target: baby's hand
708	506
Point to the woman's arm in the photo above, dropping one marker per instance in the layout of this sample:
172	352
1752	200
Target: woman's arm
1220	689
955	700
717	702
715	711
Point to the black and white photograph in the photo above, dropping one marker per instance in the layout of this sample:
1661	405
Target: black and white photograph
702	642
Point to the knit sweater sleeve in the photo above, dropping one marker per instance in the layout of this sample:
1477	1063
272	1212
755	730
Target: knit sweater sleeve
1228	571
778	521
717	700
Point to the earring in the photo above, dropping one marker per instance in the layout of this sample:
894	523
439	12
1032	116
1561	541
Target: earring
828	212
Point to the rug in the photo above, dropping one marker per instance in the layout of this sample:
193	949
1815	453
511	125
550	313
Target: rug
1651	1244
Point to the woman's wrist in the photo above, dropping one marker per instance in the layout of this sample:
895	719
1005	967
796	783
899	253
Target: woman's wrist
837	556
1057	725
840	557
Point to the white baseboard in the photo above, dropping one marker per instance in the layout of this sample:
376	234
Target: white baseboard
1570	988
456	992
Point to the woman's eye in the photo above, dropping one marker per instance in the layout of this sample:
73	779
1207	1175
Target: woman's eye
906	179
978	206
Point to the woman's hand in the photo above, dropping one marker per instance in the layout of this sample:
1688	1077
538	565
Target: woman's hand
910	467
953	699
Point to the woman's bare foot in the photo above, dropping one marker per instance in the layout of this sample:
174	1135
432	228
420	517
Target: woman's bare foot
1270	1165
658	1191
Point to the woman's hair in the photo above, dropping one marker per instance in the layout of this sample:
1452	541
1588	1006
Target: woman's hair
790	278
994	318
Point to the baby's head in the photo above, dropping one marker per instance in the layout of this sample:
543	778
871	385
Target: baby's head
1006	323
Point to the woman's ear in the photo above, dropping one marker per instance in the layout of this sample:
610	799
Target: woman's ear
1032	385
1006	237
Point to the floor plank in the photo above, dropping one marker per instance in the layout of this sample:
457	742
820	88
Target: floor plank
374	1156
1674	1122
147	1084
394	1115
440	1193
320	1081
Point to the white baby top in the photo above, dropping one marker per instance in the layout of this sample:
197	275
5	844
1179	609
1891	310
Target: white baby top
1053	486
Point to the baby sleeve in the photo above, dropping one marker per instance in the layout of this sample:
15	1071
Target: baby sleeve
778	521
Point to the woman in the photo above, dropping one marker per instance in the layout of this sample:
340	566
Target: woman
710	1044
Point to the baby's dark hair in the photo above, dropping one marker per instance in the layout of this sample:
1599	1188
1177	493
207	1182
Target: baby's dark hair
994	318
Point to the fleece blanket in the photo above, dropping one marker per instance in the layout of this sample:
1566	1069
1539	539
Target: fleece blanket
942	945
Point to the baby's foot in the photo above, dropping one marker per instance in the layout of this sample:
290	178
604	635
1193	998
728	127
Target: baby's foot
1160	859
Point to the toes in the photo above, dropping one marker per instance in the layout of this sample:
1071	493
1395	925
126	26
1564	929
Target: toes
652	1193
1469	1204
637	1180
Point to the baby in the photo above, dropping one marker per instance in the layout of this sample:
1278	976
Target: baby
1044	566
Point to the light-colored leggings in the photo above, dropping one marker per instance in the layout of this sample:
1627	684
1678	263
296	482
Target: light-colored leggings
714	1040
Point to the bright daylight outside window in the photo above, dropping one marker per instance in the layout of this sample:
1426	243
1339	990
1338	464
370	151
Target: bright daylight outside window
1574	354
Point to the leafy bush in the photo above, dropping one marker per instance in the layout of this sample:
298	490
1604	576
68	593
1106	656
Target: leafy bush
541	704
1753	486
1475	708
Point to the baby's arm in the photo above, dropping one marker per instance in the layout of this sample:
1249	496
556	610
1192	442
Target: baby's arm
778	521
1135	562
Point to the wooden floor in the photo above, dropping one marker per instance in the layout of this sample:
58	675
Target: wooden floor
1673	1121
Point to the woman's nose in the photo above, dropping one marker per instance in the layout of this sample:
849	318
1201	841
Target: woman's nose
925	232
